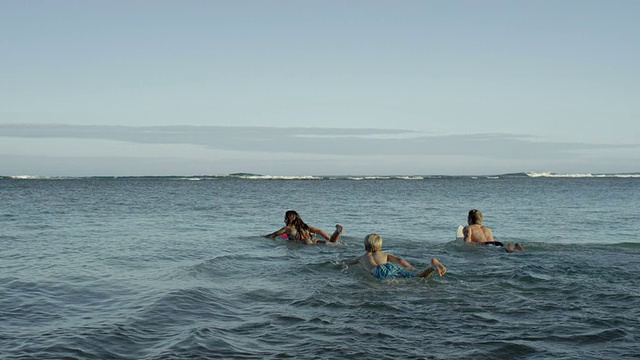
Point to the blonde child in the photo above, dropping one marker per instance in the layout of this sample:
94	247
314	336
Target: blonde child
384	266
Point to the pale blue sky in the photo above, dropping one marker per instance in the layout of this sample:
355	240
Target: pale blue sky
318	87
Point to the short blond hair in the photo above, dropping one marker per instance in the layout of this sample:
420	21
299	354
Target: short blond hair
373	243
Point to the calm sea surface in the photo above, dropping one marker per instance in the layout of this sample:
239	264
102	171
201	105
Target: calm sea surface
176	268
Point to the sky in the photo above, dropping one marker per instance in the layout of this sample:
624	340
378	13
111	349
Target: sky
361	87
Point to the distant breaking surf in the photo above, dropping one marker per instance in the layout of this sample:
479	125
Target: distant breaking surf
585	175
250	176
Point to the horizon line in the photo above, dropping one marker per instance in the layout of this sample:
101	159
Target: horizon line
246	175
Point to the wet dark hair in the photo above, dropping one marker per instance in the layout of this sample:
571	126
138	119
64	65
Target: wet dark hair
292	218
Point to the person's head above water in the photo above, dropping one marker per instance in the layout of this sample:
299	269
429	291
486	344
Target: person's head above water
372	243
475	217
291	217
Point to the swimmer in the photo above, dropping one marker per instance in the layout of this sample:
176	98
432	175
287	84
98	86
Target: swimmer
383	265
477	233
296	230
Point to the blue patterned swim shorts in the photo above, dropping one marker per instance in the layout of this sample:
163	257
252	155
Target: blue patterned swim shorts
391	270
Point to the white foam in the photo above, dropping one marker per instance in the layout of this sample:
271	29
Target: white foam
579	175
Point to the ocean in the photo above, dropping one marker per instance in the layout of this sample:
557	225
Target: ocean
177	268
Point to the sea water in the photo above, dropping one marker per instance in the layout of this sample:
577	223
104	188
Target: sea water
176	268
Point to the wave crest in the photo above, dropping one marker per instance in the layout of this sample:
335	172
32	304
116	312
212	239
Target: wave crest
581	175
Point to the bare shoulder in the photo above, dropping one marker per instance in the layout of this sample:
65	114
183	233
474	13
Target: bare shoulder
487	233
383	257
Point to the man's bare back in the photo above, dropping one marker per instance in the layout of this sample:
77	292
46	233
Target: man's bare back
477	233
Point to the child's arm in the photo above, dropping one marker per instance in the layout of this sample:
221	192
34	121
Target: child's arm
354	261
399	260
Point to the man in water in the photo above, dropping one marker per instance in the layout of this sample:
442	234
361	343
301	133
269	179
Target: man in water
475	232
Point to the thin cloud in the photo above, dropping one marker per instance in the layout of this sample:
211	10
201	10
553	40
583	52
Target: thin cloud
321	141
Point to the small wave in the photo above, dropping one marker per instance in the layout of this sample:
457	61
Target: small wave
506	350
25	177
601	336
580	175
395	177
631	245
37	177
274	177
323	177
248	176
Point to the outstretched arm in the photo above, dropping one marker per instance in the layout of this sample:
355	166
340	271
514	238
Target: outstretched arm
319	232
354	261
276	233
399	260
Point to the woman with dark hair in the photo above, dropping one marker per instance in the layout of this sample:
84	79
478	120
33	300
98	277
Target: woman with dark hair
296	230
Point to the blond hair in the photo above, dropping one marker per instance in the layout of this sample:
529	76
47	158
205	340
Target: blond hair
475	217
373	243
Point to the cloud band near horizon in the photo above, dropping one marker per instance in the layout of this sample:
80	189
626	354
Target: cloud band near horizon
361	142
